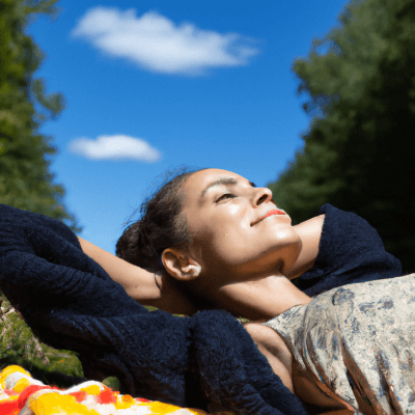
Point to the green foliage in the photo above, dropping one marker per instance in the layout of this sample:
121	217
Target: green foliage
19	346
358	153
112	382
25	180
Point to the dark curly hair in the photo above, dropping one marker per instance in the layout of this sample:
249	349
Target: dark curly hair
161	226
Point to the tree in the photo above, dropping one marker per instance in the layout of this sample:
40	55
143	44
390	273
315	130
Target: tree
358	153
25	180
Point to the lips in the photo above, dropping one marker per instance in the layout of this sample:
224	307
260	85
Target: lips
270	213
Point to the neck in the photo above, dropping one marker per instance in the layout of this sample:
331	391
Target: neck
260	299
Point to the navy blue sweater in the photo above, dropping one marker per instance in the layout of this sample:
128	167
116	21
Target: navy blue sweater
70	302
350	251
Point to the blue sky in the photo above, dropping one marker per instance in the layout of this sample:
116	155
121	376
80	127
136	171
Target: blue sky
152	85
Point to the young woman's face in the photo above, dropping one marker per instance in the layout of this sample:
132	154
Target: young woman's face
238	231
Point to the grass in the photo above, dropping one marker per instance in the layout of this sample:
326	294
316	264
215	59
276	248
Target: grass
19	346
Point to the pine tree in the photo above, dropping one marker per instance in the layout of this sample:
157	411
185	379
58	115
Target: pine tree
25	179
358	152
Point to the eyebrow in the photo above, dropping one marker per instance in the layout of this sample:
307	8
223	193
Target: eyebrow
222	181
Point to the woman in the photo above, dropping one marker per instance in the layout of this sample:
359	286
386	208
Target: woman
229	246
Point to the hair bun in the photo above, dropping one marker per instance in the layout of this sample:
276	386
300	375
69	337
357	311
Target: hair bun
160	227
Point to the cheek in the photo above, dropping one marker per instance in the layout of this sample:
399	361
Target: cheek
231	245
221	246
218	229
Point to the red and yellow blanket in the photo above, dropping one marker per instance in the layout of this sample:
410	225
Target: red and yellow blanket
20	394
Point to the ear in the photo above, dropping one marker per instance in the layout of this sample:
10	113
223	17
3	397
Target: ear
179	264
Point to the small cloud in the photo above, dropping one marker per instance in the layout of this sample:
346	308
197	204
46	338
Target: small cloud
115	147
154	42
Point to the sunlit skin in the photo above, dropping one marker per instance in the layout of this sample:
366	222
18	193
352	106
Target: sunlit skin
229	239
243	252
238	260
242	256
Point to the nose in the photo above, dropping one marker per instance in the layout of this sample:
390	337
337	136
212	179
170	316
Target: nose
262	194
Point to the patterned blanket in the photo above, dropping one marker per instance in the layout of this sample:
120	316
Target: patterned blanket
20	394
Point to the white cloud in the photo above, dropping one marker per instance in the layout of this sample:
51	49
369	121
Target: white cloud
115	147
156	43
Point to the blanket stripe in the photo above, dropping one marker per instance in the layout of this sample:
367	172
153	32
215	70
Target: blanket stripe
20	394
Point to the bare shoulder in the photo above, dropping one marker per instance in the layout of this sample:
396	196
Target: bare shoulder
271	345
267	337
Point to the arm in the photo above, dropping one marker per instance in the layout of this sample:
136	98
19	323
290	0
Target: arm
140	284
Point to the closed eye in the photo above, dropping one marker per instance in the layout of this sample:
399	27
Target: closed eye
225	196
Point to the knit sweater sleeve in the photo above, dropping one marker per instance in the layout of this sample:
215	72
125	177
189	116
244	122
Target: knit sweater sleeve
350	251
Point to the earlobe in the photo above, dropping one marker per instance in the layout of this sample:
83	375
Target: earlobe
179	265
194	269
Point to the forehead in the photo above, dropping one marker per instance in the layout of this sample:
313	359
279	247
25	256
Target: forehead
197	182
202	178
